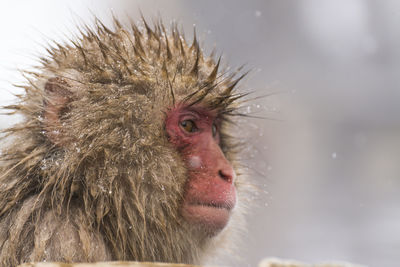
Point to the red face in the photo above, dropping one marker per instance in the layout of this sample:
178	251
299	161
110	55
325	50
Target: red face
210	194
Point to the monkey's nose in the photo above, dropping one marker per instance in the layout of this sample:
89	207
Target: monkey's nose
226	175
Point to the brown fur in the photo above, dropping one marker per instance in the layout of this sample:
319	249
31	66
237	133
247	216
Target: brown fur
104	183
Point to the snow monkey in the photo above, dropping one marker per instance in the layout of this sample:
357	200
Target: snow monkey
124	152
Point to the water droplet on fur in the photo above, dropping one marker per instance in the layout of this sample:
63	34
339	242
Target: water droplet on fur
44	165
102	188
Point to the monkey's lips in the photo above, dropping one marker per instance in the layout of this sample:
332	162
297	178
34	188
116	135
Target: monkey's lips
214	216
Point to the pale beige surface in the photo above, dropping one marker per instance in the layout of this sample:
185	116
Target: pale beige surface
104	264
290	263
265	263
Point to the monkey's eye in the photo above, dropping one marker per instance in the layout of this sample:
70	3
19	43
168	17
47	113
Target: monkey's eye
189	126
214	130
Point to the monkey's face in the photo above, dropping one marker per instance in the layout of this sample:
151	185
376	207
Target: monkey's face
210	194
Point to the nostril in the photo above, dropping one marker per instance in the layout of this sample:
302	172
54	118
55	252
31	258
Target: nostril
225	176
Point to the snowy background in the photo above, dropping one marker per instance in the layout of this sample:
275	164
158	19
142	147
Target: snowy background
329	168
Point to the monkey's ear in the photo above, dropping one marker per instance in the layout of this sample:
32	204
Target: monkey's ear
56	103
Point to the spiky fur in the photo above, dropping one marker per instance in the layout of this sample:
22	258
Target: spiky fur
112	191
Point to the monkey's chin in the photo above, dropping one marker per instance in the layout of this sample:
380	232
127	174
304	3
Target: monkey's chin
210	218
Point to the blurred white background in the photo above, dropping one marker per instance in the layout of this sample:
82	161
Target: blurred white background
329	169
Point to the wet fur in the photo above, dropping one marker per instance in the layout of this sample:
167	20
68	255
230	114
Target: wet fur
111	188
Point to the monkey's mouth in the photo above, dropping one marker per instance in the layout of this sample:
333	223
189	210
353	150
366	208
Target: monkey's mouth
212	216
222	205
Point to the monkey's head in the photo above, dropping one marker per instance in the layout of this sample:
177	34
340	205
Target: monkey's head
132	128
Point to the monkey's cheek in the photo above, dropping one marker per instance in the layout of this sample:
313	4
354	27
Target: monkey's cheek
213	219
